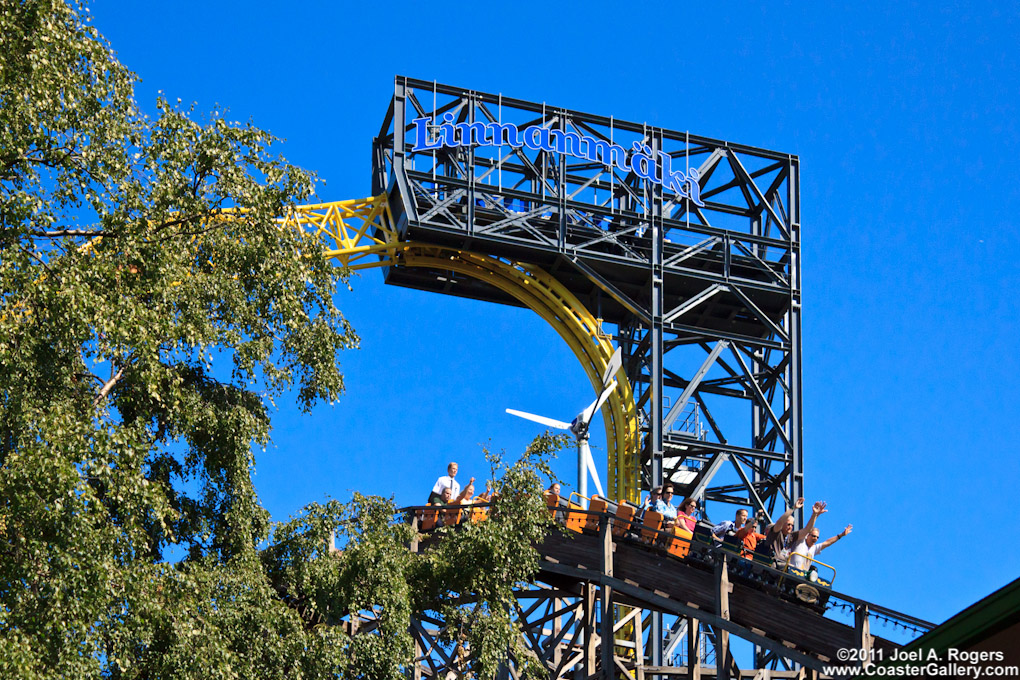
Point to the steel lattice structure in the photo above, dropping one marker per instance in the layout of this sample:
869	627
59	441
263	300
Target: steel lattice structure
701	283
684	249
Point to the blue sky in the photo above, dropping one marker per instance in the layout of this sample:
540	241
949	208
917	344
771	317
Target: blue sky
904	116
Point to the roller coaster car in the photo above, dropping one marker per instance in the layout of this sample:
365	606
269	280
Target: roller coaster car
762	554
478	514
450	516
575	517
808	586
759	566
702	547
679	544
597	506
733	545
651	526
698	548
427	519
703	535
553	501
809	575
623	522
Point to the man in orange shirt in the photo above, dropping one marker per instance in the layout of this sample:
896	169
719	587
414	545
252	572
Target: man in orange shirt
750	537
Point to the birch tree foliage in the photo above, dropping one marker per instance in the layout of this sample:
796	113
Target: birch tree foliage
150	312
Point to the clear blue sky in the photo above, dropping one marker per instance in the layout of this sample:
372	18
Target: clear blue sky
904	116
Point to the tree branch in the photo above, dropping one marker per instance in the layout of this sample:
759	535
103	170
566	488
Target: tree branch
35	256
184	220
57	233
107	386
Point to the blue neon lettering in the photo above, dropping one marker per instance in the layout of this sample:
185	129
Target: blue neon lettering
543	142
611	154
569	143
674	180
472	133
513	137
448	132
421	140
641	162
692	179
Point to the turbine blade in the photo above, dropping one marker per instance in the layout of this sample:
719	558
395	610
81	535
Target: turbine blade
548	422
605	395
586	416
614	365
590	462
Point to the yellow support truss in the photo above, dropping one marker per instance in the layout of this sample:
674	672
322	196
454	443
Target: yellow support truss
359	234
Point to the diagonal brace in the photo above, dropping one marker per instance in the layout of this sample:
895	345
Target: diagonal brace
681	403
693	302
612	290
762	401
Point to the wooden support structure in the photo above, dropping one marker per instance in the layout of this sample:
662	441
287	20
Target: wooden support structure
790	630
588	630
413	547
693	649
639	649
557	630
711	673
596	592
606	602
862	634
722	610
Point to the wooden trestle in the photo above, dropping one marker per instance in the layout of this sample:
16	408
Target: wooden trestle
593	585
626	573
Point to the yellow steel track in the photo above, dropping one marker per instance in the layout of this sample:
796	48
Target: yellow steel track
359	234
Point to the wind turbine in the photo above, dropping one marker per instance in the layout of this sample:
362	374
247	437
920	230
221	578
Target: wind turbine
579	427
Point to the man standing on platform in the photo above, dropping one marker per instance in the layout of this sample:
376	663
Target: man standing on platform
446	482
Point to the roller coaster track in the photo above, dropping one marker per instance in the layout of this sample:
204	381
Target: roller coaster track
707	591
587	581
359	234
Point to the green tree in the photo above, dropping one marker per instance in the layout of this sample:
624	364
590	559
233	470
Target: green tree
134	251
466	578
